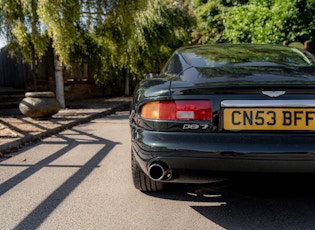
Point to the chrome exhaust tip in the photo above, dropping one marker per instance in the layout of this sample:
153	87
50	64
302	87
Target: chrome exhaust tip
159	171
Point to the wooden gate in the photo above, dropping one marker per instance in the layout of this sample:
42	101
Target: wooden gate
12	71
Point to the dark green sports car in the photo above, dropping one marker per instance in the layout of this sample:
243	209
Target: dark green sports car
224	108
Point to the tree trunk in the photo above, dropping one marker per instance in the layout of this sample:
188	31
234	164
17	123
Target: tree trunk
126	83
34	31
59	82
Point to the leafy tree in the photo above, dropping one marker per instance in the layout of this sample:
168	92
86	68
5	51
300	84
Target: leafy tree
20	24
210	16
120	37
271	21
163	28
139	37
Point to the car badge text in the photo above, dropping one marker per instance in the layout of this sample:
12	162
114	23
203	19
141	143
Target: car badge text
195	126
273	93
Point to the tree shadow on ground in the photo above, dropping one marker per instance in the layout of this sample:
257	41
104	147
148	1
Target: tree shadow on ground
37	216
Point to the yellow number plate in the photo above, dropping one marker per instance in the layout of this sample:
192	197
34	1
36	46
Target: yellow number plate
269	119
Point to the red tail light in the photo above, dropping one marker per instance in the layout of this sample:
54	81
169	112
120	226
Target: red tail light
177	110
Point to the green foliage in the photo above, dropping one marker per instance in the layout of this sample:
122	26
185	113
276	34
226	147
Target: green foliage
210	16
254	21
271	21
21	26
139	36
128	38
62	23
161	28
118	37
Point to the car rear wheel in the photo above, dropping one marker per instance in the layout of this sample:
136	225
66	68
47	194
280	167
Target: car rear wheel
141	181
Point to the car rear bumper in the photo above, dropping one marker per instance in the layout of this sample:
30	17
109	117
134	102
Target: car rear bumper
197	157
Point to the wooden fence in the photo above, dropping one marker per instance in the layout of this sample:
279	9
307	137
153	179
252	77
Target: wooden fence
12	71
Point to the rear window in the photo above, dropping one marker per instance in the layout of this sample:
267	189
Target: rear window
255	55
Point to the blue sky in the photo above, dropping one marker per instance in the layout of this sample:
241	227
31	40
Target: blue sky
2	43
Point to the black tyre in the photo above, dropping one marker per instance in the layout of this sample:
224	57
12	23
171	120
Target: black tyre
141	181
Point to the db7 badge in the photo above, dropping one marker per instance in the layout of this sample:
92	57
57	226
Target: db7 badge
195	126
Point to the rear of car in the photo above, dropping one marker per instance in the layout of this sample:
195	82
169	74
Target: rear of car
217	109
